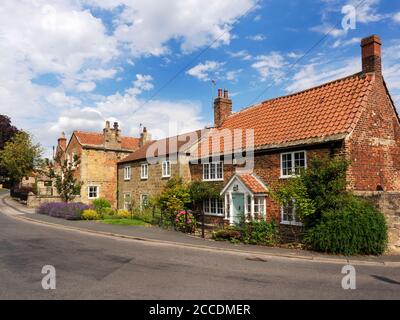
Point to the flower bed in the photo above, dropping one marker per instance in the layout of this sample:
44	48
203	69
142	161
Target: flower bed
68	211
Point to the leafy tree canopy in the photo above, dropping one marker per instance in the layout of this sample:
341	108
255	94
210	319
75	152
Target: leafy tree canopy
20	156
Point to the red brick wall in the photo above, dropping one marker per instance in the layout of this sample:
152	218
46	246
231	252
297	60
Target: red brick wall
267	167
374	146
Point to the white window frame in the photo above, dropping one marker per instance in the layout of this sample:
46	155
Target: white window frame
142	195
127	173
213	167
130	198
291	223
144	171
213	202
293	174
98	191
259	202
166	164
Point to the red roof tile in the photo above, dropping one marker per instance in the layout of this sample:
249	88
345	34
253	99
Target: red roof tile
331	109
97	140
165	146
253	183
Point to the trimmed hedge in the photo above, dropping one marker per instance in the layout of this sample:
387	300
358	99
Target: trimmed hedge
354	228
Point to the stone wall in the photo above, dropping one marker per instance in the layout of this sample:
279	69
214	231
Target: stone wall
389	204
151	186
99	168
36	201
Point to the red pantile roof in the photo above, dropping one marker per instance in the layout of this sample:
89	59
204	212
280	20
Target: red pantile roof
253	183
94	139
171	145
329	110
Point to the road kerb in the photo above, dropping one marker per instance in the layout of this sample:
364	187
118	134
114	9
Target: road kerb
209	248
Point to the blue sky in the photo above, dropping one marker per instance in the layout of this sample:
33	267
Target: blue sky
72	64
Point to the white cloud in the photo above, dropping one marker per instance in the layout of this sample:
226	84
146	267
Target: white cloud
202	70
60	99
233	75
367	11
328	29
270	66
86	86
145	27
242	54
142	83
344	43
99	74
294	55
396	17
315	74
257	37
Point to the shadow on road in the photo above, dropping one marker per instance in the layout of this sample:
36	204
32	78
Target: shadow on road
384	279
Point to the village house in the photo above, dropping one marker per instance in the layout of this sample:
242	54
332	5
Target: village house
99	154
145	172
353	116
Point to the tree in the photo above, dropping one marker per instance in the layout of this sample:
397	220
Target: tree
7	132
175	197
68	187
20	157
200	191
320	188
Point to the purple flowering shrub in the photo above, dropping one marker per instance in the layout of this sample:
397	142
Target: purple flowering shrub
185	221
68	211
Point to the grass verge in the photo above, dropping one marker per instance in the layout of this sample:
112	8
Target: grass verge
126	222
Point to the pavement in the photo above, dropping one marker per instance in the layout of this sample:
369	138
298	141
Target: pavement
169	237
98	266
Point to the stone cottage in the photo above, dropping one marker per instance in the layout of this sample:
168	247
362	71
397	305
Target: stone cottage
145	172
99	154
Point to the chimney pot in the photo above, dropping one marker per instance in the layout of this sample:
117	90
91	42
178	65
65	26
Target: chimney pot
371	54
116	125
219	92
107	124
226	94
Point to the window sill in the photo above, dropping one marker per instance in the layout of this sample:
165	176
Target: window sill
165	177
144	179
213	180
214	214
289	223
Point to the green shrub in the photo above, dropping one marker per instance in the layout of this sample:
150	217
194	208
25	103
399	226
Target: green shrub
354	228
91	215
228	234
101	205
145	215
260	232
123	214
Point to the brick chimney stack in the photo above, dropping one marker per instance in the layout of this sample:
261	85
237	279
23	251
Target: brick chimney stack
145	137
62	142
222	107
371	55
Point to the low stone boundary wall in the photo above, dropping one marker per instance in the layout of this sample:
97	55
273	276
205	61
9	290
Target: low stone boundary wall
35	201
389	204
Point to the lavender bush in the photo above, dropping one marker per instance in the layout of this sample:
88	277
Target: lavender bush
68	211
